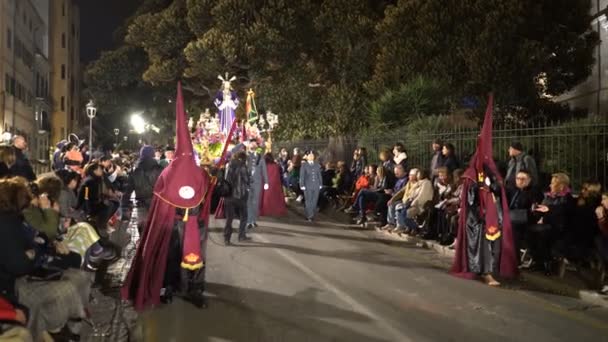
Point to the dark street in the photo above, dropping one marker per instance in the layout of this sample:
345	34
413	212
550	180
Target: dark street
297	282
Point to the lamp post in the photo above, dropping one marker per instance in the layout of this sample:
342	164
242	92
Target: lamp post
91	112
116	133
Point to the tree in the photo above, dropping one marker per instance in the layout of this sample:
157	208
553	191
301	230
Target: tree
414	99
475	46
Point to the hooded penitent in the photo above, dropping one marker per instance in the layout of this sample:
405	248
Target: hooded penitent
485	240
182	185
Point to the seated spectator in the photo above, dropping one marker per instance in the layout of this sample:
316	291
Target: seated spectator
91	198
399	195
363	182
13	320
359	163
43	216
443	188
415	205
577	243
50	303
554	216
521	198
7	159
452	208
601	240
343	181
78	235
328	193
382	182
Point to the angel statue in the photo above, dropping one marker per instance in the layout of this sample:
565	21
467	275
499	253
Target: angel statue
227	102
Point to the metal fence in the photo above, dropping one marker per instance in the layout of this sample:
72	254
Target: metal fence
576	148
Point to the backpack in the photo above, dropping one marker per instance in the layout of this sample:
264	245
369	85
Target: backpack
223	187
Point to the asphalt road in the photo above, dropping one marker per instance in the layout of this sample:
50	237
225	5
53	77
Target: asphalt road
322	282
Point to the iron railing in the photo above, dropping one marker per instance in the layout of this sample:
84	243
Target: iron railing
579	149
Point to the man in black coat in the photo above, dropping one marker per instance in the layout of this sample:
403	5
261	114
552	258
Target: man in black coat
22	166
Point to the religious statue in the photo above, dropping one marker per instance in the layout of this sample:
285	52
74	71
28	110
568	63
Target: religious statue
226	101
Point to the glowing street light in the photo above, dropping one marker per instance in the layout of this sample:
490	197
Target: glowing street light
138	123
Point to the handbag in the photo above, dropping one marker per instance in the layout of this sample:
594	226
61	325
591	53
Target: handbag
518	216
223	188
45	273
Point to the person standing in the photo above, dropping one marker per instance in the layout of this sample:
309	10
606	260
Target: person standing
169	155
22	166
520	161
142	181
238	176
437	159
272	202
259	174
311	183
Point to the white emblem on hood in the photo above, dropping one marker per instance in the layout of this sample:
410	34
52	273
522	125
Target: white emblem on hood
186	192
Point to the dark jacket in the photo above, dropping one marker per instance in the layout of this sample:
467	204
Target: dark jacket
358	166
519	199
14	263
561	211
5	172
450	162
522	162
142	180
328	177
22	166
237	176
90	195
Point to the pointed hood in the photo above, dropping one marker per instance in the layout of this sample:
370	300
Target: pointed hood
183	184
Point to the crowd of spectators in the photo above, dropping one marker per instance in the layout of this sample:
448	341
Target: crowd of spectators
554	229
55	231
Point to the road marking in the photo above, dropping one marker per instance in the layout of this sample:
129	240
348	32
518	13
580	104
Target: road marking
362	309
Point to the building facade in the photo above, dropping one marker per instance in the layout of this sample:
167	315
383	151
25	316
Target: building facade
64	55
24	69
593	93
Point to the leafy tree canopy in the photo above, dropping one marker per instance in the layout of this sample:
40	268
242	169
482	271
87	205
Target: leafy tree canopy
323	64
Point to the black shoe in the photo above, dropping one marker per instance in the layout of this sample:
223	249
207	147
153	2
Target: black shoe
255	225
227	243
244	239
250	226
197	298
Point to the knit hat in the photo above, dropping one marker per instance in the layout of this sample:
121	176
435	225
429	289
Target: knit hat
146	152
516	145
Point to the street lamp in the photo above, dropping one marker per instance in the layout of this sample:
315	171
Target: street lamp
138	123
116	133
91	112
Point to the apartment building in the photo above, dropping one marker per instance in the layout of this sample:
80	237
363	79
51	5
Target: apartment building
64	54
593	93
24	70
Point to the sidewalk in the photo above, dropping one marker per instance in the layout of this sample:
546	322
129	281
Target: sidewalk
114	320
572	285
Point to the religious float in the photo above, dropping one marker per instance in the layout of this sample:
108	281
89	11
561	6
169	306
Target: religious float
211	131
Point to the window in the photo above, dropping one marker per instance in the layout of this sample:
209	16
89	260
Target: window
63	40
63	71
9	38
63	103
12	87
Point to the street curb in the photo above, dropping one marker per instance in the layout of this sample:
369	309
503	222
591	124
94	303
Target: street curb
537	281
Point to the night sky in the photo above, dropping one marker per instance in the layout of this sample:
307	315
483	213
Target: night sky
99	19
